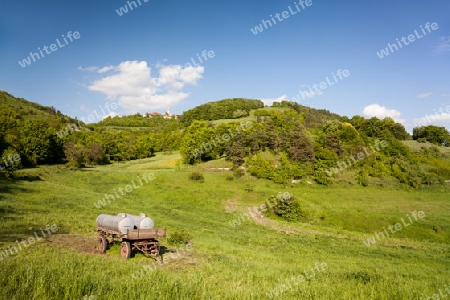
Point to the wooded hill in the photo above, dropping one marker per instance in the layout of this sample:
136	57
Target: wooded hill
284	142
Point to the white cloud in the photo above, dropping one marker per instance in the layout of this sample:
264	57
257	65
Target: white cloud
90	69
443	46
136	89
381	112
311	94
445	95
106	69
307	94
270	101
97	69
424	95
442	118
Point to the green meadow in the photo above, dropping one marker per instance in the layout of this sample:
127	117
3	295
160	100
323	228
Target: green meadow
234	255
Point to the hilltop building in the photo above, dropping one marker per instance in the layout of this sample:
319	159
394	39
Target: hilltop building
167	115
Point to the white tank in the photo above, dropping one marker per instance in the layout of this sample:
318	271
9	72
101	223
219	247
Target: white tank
142	221
121	222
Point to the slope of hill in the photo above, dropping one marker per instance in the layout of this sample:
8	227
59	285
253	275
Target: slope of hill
286	142
28	130
28	110
224	109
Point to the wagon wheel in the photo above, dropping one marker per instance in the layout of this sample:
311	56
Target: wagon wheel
102	243
125	250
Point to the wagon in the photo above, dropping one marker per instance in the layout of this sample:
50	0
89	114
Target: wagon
143	240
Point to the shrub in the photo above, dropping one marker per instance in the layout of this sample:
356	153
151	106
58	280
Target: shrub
240	113
248	188
238	172
442	172
230	177
95	154
178	164
286	207
260	167
421	140
363	177
434	151
430	179
398	173
321	177
179	237
197	176
9	161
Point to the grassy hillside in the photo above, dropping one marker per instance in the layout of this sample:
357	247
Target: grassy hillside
29	110
416	146
234	256
250	118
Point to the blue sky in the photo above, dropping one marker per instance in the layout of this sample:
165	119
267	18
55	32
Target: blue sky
139	59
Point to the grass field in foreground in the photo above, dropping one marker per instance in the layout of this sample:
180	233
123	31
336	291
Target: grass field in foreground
252	260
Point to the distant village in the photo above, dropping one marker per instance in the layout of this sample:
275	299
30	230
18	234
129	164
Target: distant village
167	115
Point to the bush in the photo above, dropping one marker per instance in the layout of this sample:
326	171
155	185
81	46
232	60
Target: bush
75	155
286	207
260	167
197	176
430	179
363	177
248	188
240	113
178	238
238	172
421	140
230	177
178	164
9	161
321	177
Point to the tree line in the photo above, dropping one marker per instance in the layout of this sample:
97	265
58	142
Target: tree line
280	147
224	109
42	135
284	142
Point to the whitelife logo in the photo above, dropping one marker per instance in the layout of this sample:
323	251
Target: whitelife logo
90	119
24	243
124	9
319	88
394	229
35	56
284	15
128	189
12	159
411	38
344	164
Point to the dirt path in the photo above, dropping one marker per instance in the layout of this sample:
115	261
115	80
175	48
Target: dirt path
84	244
286	229
260	219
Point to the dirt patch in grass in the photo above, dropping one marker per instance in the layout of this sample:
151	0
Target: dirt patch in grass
173	257
230	206
79	243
